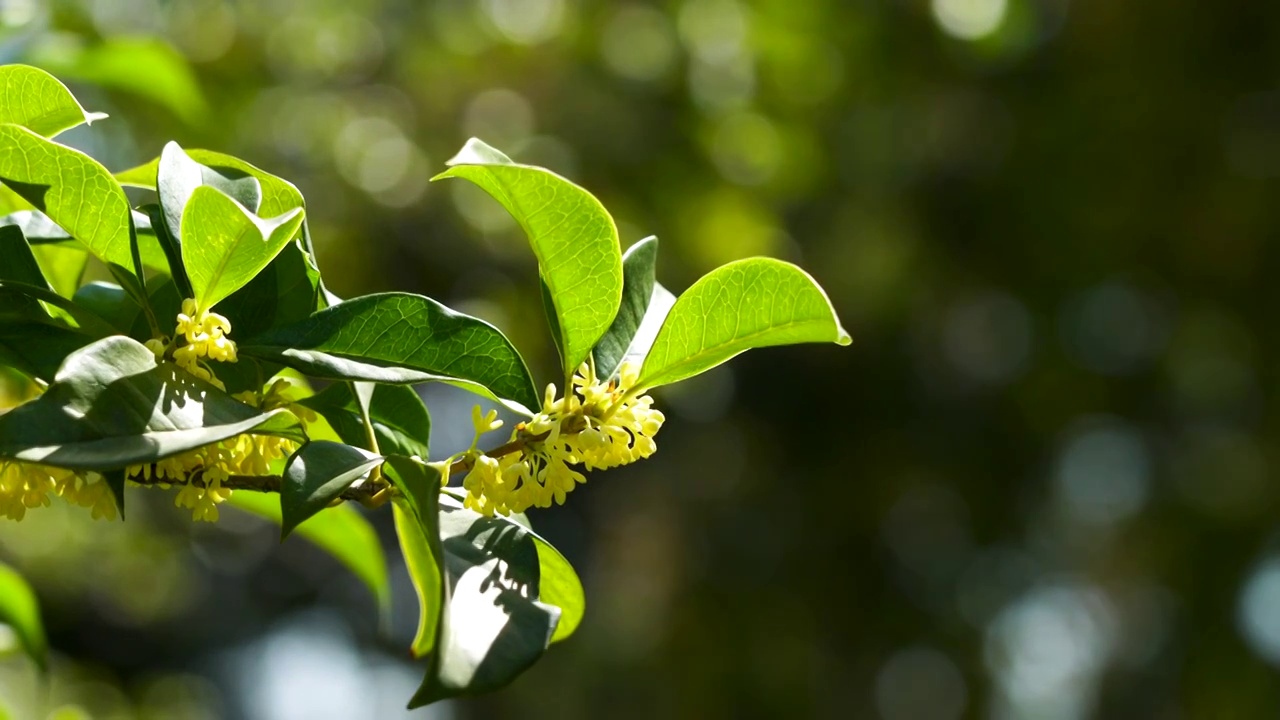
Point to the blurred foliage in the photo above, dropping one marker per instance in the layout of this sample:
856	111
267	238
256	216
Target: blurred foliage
1042	483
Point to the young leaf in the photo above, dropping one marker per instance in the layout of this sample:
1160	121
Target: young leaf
644	303
315	475
110	405
746	304
400	338
572	235
285	292
278	195
226	245
400	419
340	531
38	101
20	610
71	188
494	625
178	176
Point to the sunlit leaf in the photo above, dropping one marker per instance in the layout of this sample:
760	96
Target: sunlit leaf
38	101
63	265
417	512
226	245
278	195
400	338
400	419
20	610
71	188
572	235
111	405
317	474
746	304
178	176
340	531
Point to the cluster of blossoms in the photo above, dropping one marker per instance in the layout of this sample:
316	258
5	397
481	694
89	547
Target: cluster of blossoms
214	464
206	336
26	485
598	425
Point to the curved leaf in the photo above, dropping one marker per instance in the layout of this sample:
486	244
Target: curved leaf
178	176
19	263
110	405
278	195
20	610
417	521
316	474
227	245
400	418
746	304
572	235
400	338
340	531
71	188
645	305
494	624
38	101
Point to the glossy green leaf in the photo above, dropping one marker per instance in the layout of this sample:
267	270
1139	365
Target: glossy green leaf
645	305
109	302
285	292
560	587
19	263
36	348
60	311
746	304
71	188
226	245
111	405
404	339
494	625
144	66
278	195
177	177
400	419
417	514
38	101
20	610
572	235
317	474
340	531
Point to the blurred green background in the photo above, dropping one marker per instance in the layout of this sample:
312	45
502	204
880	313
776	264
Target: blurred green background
1041	484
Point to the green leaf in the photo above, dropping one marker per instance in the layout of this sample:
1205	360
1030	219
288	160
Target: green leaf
59	311
645	305
285	292
36	348
400	419
178	176
63	266
572	235
340	531
110	405
316	474
110	302
278	195
417	518
144	66
19	263
227	245
560	587
20	610
494	625
71	188
403	339
757	302
38	101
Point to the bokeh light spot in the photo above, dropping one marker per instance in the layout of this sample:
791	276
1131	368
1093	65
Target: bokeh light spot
969	19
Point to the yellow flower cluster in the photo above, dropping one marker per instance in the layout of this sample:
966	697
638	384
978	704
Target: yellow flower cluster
597	425
26	485
206	336
203	471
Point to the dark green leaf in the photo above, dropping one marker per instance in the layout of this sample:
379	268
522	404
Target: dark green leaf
38	101
572	235
642	298
110	302
340	531
400	419
38	349
494	625
19	264
746	304
278	195
283	293
111	406
417	518
20	610
400	338
172	251
316	474
58	311
178	176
